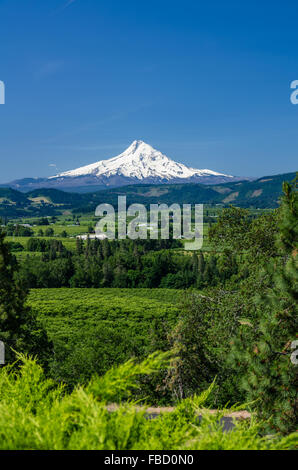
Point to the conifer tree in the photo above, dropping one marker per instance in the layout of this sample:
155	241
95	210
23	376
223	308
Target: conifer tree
79	246
265	352
201	263
195	262
19	329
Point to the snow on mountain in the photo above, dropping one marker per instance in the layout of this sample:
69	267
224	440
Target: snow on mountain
142	162
138	164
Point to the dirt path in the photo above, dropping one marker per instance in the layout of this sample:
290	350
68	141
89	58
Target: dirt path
227	420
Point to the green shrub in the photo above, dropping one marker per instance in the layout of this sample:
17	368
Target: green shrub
36	415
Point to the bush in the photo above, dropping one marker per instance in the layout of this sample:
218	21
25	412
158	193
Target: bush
37	415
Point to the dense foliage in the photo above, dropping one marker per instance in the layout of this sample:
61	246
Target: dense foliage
270	376
135	264
37	415
19	328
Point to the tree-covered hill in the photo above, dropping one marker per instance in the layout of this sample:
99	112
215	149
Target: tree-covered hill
261	193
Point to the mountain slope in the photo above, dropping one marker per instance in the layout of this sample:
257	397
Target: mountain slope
262	193
138	164
140	161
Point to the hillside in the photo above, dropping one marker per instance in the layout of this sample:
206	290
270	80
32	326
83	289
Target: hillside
261	193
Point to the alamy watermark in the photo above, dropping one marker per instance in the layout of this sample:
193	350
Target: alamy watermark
2	92
294	94
161	221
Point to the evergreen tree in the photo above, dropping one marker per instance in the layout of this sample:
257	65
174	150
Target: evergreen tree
106	249
270	376
201	263
195	263
19	329
88	247
79	246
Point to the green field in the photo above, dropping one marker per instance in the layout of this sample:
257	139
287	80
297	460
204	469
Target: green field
94	329
73	231
60	309
106	303
69	243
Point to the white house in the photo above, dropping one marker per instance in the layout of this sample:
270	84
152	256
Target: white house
92	236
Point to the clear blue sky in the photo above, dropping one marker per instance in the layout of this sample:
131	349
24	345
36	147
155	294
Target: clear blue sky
206	82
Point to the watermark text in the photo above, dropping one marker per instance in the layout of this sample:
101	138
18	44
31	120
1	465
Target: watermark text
2	92
161	221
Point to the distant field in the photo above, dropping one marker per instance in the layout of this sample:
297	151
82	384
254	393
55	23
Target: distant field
74	230
22	255
69	243
88	220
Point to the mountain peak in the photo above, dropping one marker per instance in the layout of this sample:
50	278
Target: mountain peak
139	146
137	143
141	162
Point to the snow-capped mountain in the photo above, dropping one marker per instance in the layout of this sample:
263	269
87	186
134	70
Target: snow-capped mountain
140	161
138	164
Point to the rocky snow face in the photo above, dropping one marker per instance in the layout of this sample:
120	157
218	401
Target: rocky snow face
140	161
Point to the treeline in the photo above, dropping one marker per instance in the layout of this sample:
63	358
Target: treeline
126	263
25	230
18	231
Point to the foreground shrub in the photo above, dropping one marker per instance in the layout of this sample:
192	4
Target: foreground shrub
36	414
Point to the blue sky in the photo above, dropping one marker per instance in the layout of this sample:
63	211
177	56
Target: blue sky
206	82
